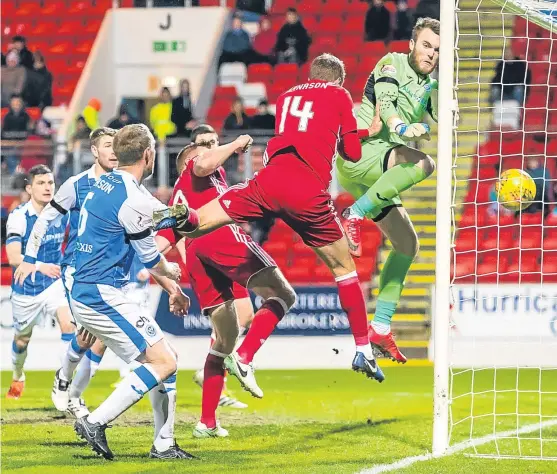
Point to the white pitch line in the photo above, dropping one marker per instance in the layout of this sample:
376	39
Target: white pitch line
405	462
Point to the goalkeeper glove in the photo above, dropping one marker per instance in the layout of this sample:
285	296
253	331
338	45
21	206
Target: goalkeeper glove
412	131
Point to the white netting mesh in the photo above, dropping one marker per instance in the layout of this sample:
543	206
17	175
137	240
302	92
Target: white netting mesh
503	347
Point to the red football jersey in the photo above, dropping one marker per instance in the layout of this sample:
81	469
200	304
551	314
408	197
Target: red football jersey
197	191
313	117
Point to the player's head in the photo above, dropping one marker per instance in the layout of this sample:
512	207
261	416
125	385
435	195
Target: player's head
185	155
101	146
40	184
135	145
205	135
424	45
327	67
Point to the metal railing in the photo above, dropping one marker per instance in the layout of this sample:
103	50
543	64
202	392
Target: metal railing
70	159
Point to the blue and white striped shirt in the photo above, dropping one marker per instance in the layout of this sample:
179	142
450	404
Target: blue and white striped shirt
18	229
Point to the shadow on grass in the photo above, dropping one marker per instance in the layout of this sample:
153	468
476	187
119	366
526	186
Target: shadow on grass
67	444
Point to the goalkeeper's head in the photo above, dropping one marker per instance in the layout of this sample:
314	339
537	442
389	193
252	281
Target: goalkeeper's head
327	67
424	46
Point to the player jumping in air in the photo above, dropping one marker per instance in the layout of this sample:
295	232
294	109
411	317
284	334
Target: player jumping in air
205	136
84	352
401	88
313	117
42	296
114	225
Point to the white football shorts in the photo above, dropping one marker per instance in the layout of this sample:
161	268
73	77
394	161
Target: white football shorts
29	310
119	322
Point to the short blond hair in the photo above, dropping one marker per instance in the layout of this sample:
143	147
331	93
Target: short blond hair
98	133
131	142
424	24
327	67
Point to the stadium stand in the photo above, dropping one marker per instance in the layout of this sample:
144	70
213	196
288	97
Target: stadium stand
492	245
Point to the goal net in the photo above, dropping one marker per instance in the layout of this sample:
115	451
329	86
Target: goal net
501	350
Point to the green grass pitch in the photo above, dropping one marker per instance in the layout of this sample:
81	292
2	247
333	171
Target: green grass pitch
308	422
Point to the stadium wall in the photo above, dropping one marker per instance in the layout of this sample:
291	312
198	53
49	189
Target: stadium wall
503	325
137	51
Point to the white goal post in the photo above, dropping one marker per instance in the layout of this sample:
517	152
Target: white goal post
494	308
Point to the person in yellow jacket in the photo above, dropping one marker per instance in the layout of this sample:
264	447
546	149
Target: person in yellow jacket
91	113
160	114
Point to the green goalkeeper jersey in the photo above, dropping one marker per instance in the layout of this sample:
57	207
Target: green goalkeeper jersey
399	90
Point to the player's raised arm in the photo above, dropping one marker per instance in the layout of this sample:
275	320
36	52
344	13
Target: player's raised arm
62	202
385	91
207	161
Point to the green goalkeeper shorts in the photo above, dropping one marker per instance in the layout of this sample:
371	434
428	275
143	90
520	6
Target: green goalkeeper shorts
357	178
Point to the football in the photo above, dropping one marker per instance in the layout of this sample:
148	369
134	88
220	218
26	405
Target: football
515	189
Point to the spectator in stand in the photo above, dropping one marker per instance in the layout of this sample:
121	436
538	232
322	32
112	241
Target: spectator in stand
237	119
38	88
121	120
236	46
81	132
15	127
159	116
182	111
293	40
25	56
91	113
510	79
13	78
263	119
403	22
544	188
264	43
378	22
16	122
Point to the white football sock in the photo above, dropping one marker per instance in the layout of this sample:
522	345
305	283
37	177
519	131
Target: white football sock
366	350
130	391
163	401
18	360
86	370
381	328
66	338
73	355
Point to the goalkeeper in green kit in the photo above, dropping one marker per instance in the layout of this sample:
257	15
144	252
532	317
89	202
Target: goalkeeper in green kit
399	92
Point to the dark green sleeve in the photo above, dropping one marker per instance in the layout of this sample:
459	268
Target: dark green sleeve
432	106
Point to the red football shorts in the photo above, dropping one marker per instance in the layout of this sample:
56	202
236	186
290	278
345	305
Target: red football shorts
291	191
221	263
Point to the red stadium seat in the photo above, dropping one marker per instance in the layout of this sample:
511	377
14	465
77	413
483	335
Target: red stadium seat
34	113
331	24
61	47
540	72
53	8
84	47
28	10
287	72
260	73
223	93
44	29
400	46
71	28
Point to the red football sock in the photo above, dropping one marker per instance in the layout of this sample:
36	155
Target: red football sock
353	303
212	389
264	323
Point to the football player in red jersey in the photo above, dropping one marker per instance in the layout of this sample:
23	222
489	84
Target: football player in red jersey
221	266
312	119
204	135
